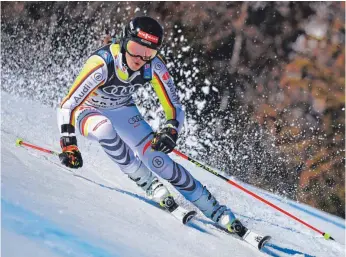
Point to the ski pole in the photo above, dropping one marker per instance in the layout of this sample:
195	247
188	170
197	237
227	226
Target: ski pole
325	235
20	142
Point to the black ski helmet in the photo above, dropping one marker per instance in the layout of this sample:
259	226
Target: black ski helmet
145	31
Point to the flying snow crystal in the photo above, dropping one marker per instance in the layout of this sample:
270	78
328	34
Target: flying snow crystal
137	9
187	73
195	69
200	105
207	82
186	48
214	89
206	90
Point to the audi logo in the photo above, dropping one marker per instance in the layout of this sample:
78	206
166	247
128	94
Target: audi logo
121	90
135	119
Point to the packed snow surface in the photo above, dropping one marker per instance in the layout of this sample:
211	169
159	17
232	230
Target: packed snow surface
49	210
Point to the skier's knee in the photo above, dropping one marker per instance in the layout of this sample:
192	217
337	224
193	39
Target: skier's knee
156	161
96	126
159	163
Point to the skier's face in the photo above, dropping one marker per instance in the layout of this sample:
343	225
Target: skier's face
137	55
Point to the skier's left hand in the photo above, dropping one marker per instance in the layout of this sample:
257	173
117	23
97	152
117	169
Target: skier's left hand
165	140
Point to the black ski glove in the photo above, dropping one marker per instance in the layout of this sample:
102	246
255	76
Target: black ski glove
165	140
70	156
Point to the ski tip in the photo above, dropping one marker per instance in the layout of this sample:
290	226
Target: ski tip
19	141
263	241
188	216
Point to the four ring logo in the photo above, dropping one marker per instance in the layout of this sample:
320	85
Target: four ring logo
121	90
135	119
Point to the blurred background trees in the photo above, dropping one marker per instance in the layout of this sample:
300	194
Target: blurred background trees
263	83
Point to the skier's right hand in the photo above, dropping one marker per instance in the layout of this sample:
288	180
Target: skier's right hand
70	156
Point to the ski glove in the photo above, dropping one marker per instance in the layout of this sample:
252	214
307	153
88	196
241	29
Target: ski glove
165	140
70	156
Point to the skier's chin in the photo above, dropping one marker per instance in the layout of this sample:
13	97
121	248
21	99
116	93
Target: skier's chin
135	66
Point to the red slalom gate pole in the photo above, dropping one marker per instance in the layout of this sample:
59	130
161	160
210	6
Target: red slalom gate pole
20	142
325	235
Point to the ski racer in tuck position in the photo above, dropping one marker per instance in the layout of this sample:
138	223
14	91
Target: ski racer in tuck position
100	106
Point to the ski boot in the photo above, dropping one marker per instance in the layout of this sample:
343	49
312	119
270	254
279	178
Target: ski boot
158	192
153	188
225	218
222	215
236	227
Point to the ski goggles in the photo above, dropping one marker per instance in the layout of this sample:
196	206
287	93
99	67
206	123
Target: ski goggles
136	50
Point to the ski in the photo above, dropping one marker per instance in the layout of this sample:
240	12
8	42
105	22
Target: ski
183	215
254	239
177	211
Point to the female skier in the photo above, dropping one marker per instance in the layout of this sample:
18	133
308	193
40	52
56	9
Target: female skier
100	105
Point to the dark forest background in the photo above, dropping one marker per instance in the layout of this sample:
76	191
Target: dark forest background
263	83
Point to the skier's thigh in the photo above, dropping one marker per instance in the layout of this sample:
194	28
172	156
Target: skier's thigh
137	133
130	125
93	124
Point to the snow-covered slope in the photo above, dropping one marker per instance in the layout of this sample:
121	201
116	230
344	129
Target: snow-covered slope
48	210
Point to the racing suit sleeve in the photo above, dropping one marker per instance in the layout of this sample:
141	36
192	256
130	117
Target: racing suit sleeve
92	75
165	89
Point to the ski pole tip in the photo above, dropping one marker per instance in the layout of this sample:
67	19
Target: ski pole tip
19	141
327	236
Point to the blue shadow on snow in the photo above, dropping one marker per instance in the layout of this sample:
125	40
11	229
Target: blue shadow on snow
148	201
191	224
269	247
23	222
